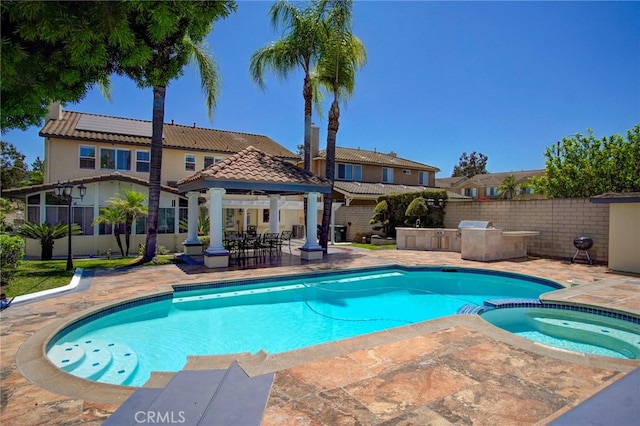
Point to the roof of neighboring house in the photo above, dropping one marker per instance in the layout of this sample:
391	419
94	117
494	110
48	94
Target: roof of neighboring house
361	156
488	179
22	192
616	197
374	190
255	171
104	128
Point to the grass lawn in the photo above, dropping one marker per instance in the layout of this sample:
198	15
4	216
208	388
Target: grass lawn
374	246
37	275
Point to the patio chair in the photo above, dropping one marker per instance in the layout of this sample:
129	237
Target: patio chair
270	242
285	238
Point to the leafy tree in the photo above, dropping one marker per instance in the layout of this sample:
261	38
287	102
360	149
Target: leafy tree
397	205
418	210
36	175
342	54
470	165
114	217
55	51
381	215
169	35
583	166
298	48
11	252
47	234
14	170
508	187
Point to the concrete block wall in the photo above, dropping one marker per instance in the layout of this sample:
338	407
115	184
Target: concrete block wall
559	221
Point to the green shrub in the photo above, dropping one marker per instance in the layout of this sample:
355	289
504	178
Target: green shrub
11	252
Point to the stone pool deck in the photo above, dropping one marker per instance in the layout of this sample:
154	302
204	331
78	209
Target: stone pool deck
454	370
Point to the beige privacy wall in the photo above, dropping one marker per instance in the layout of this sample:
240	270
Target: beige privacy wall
559	221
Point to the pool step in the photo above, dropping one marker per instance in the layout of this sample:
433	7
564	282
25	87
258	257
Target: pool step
200	397
98	360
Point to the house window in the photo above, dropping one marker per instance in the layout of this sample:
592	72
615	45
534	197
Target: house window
87	157
349	172
166	220
211	160
190	162
387	175
115	159
33	214
83	216
423	178
143	159
470	192
141	225
492	191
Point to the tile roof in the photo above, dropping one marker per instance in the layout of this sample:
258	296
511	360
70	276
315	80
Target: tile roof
253	169
361	156
174	136
616	197
377	189
115	176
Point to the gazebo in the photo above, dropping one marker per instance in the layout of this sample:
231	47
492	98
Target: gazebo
250	171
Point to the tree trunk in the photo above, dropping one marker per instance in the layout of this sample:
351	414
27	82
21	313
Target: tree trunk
116	234
332	133
47	250
127	235
155	169
307	93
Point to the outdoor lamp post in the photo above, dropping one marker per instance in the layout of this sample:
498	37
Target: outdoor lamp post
66	192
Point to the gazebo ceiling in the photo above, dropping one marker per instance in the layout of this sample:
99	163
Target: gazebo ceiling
252	171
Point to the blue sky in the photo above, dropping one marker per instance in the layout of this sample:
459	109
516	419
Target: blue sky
506	79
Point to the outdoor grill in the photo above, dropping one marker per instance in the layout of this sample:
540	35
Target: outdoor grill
582	244
483	224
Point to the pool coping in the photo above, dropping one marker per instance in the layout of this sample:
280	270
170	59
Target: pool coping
33	363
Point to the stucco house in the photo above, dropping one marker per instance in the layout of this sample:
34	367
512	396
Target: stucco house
110	154
486	186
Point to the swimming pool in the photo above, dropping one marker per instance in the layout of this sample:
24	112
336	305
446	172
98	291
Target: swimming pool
123	344
571	328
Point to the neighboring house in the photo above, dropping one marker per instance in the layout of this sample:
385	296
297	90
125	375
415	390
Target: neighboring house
109	154
487	186
361	176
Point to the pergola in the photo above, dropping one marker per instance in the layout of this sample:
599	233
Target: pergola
250	171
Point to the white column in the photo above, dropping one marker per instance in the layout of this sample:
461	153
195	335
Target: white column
193	213
274	213
215	221
312	223
245	219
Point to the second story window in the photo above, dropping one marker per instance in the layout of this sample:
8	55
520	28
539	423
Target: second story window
190	162
115	159
349	172
142	161
87	157
387	175
423	178
211	160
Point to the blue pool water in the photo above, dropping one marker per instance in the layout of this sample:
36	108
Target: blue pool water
275	315
571	330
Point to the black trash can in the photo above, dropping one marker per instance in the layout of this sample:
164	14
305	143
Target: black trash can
340	233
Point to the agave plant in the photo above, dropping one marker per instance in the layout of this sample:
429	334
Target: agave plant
47	234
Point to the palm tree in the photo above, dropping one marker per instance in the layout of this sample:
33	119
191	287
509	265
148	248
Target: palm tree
342	55
47	234
132	206
114	216
300	47
508	187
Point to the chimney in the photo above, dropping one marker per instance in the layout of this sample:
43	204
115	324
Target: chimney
392	154
315	140
172	121
54	111
194	124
